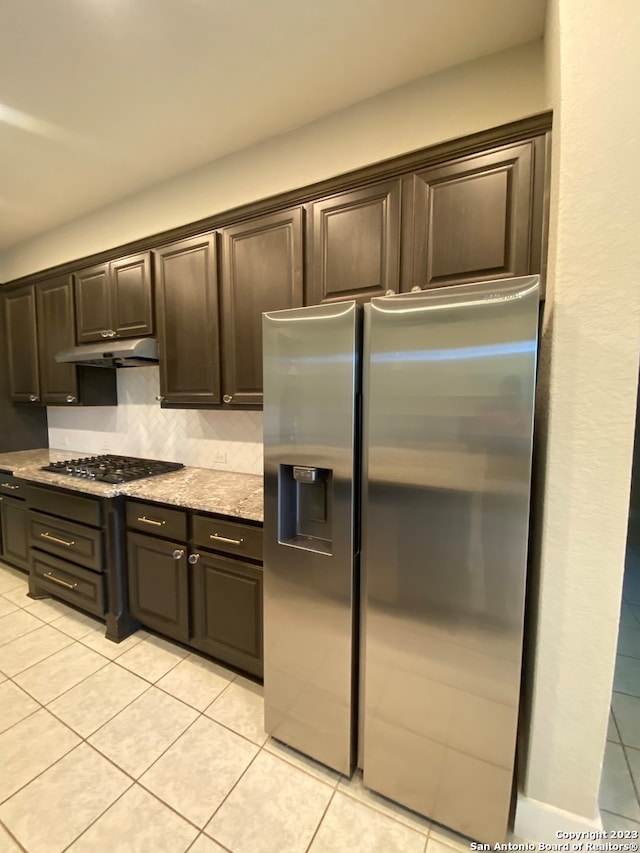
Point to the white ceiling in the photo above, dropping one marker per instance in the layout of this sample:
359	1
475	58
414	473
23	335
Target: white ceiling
102	98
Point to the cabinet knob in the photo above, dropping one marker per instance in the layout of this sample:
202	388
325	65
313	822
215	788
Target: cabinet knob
112	334
178	554
159	398
389	292
193	558
227	398
416	288
104	333
71	398
33	398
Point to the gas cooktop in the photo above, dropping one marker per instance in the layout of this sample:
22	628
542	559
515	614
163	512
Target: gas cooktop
112	469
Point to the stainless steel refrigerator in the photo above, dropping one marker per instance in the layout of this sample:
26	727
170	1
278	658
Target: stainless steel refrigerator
397	446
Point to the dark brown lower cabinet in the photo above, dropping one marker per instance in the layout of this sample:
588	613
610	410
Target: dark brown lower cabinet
226	600
15	540
158	585
212	601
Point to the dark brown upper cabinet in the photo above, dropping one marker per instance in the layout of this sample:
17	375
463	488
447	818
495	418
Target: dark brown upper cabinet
261	271
56	331
471	219
39	323
187	315
22	345
114	300
353	248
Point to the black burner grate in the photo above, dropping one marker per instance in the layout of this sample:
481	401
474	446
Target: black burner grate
112	469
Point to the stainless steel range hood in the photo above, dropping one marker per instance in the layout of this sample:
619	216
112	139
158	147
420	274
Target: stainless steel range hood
131	352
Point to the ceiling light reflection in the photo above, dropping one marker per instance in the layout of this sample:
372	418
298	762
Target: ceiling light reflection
24	121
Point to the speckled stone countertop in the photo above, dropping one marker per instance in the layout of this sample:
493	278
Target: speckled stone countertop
223	492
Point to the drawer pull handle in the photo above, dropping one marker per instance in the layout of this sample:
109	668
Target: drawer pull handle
66	584
151	521
51	538
216	537
9	486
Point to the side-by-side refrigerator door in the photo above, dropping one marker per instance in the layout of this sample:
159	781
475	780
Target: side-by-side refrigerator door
310	588
448	389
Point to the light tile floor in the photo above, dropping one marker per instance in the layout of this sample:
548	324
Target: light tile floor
620	785
143	747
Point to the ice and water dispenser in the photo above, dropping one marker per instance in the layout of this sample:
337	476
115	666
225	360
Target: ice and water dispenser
305	504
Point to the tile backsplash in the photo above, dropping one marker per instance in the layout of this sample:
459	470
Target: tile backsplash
137	426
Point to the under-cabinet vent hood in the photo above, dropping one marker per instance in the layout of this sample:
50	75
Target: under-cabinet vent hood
132	352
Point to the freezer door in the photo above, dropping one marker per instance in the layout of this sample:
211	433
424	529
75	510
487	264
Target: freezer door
449	381
311	379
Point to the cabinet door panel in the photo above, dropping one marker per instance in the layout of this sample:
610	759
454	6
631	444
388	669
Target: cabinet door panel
158	585
132	307
261	271
354	244
93	303
15	539
472	218
22	347
227	611
187	304
56	331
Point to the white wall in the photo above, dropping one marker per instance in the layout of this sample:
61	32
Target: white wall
592	332
137	426
475	96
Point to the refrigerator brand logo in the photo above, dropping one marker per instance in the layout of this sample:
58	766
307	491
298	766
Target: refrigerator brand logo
502	297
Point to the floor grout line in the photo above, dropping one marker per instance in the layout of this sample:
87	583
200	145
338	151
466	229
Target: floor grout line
12	836
228	794
324	813
73	841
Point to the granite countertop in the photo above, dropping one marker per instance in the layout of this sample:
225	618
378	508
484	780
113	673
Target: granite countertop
224	492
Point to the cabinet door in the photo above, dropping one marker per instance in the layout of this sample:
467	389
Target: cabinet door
261	271
471	219
131	301
158	584
226	597
56	331
93	304
187	313
22	346
15	541
354	244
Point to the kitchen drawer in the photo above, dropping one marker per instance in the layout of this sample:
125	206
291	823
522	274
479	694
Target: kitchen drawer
241	540
11	486
157	520
74	507
64	580
67	540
